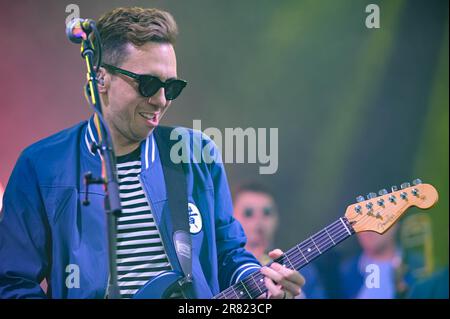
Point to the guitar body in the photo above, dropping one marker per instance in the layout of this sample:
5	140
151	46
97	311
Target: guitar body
160	287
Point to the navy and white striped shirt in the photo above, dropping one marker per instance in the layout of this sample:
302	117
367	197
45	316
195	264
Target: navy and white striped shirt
140	251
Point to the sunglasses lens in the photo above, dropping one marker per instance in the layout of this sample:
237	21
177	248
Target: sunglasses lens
149	85
174	88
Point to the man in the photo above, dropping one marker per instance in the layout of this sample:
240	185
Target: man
46	232
256	210
381	271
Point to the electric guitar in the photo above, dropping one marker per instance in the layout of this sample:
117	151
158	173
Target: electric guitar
376	213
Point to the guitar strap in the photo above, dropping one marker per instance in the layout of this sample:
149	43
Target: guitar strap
176	188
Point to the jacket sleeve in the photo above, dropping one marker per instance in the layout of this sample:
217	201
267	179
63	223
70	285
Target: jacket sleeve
234	261
23	235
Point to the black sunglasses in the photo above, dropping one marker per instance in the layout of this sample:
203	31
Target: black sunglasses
149	84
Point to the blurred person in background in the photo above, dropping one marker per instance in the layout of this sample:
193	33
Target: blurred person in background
383	270
255	208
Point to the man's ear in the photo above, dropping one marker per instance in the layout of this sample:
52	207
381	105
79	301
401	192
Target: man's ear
103	80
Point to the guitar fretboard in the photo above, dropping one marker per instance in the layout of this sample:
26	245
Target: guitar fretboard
295	258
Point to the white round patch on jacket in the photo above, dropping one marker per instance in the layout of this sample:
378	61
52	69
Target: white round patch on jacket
195	219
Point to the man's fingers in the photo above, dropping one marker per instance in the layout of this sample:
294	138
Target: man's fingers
272	274
282	274
290	279
289	285
289	274
275	291
274	254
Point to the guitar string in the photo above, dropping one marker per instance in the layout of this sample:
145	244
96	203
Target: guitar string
332	229
252	288
327	230
320	241
300	261
317	241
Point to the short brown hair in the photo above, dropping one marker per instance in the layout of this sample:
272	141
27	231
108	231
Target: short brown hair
133	25
253	187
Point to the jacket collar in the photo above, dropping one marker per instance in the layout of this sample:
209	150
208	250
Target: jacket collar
148	147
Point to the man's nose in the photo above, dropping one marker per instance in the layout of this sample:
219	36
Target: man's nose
158	99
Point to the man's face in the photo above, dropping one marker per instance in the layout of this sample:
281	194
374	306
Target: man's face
374	244
256	212
131	116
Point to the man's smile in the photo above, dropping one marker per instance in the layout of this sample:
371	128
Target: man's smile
151	118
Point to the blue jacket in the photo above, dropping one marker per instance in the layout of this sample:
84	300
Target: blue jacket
45	229
354	274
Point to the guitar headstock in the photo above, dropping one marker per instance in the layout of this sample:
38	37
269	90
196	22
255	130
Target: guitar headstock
380	211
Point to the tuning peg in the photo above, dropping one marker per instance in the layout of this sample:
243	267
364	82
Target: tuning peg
394	188
405	185
417	181
360	199
371	195
392	198
382	192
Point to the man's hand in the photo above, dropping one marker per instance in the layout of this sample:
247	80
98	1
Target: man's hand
281	282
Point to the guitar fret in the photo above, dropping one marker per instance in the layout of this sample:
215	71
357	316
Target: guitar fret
322	241
237	296
312	239
241	292
260	290
330	236
343	223
302	253
261	282
246	291
287	258
308	245
337	230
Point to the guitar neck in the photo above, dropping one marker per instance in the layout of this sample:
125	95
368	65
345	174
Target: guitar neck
295	258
